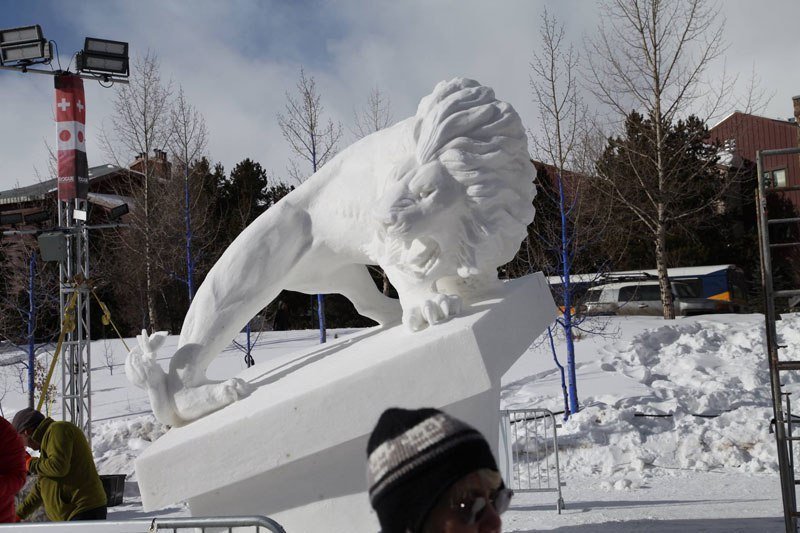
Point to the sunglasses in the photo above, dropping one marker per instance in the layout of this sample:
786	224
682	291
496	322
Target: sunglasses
471	509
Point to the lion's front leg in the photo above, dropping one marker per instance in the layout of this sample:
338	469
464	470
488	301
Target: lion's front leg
422	305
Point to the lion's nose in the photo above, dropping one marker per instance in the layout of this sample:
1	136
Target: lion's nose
389	219
384	216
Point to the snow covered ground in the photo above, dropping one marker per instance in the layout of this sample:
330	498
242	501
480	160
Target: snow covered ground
673	434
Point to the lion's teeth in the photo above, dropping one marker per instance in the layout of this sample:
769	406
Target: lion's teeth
416	249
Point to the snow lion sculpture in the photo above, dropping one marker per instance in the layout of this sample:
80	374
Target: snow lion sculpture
438	200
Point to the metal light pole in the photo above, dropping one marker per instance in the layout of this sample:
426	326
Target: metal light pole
100	60
76	382
73	209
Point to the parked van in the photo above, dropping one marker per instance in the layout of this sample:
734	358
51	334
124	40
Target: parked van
644	298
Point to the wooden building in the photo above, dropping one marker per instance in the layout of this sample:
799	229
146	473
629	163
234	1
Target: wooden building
743	134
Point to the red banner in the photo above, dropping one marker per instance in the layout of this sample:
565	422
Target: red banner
73	173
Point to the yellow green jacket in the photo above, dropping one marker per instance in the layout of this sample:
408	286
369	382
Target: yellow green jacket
68	483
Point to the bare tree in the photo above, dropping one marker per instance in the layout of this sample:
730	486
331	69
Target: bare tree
652	56
309	136
569	220
188	144
560	109
140	126
374	116
312	140
108	356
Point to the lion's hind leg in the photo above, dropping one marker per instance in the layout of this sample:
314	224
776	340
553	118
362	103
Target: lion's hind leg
354	283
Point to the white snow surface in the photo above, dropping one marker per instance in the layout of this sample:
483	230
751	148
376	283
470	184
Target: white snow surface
623	471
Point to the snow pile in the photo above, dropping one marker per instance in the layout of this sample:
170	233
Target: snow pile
117	443
690	395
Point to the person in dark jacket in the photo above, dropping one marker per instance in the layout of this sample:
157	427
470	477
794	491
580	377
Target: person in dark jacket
12	469
68	484
431	473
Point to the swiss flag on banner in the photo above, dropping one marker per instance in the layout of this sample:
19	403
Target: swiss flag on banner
73	175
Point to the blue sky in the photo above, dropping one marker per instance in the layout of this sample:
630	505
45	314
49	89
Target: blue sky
236	60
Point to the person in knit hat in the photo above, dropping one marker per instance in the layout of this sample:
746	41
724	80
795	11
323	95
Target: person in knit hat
68	485
429	472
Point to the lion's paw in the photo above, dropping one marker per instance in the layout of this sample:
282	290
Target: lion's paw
141	366
234	389
432	310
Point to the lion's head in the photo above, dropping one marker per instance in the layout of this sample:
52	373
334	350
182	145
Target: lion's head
462	203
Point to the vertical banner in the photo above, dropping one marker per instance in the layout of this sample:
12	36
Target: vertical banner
73	178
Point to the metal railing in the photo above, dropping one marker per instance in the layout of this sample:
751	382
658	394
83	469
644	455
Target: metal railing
529	439
254	523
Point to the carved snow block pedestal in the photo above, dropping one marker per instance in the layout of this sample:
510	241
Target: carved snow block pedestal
295	449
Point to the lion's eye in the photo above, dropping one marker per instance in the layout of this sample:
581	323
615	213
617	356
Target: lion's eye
424	193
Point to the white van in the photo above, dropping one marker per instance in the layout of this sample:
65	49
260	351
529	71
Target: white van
644	298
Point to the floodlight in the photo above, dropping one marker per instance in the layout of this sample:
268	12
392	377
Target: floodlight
24	46
53	246
35	51
102	46
11	218
103	64
118	211
14	36
101	56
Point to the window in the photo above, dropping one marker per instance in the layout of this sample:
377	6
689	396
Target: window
682	290
593	295
775	178
649	293
695	286
779	177
627	293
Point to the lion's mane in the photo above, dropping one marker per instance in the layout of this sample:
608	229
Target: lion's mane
482	144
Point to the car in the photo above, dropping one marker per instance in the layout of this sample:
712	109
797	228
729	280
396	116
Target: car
644	298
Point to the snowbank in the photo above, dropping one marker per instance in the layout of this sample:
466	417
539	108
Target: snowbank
692	394
117	443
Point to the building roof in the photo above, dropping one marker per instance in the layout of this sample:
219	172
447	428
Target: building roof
38	191
733	114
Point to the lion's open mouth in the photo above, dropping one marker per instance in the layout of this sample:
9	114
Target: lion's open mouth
421	255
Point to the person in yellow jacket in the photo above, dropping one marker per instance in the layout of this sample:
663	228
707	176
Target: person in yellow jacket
68	484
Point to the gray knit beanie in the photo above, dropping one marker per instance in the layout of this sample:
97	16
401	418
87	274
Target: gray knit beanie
27	418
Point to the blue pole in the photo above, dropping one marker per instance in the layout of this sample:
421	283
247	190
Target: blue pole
320	297
248	358
189	262
561	369
565	270
31	344
321	316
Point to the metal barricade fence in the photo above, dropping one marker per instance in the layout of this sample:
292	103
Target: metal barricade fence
255	524
529	447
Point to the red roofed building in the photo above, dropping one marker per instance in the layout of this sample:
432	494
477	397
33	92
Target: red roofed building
743	134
